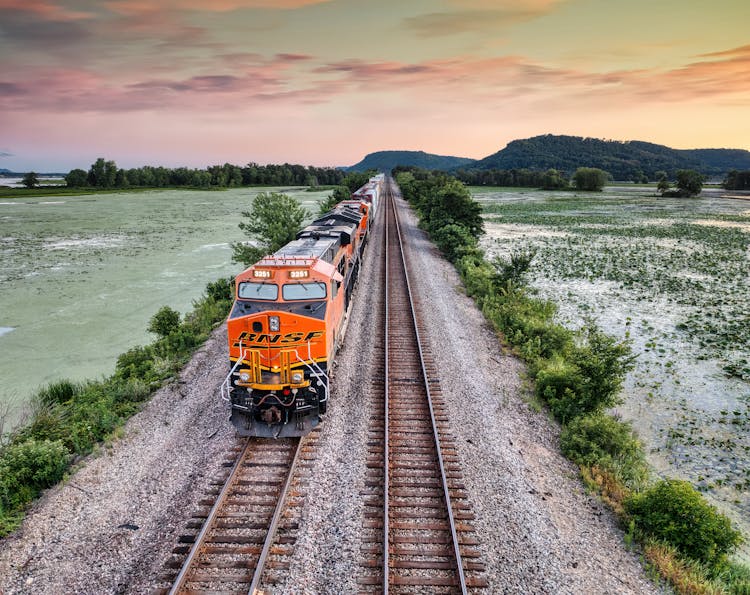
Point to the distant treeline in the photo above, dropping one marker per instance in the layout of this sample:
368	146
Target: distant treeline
106	174
551	179
737	180
524	178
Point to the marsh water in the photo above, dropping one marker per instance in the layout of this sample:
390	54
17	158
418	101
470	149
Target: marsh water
82	275
672	276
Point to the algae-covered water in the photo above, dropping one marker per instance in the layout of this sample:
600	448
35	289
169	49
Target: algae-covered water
673	277
80	276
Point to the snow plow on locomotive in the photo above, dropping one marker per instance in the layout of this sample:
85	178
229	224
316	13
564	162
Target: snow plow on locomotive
287	321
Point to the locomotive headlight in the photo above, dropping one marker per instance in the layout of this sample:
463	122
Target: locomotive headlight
297	377
244	375
273	324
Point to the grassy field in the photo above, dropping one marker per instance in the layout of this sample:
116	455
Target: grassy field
673	276
81	275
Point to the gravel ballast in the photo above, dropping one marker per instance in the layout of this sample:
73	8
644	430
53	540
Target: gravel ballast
112	525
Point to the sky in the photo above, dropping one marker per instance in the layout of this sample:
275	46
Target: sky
324	82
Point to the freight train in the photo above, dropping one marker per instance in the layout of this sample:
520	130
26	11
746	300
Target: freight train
288	317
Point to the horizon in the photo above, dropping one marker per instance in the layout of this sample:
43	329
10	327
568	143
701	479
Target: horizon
375	152
327	82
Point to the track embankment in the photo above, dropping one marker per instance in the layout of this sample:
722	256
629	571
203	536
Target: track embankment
111	527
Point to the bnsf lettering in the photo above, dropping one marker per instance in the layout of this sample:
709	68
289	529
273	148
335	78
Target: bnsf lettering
274	339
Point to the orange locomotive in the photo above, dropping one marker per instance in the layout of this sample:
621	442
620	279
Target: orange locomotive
287	321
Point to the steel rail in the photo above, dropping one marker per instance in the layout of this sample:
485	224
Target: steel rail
386	451
179	582
260	564
183	576
446	492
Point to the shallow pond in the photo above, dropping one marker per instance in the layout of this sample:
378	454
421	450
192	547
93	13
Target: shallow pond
673	276
82	275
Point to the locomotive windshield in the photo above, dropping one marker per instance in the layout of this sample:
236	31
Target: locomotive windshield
258	291
304	291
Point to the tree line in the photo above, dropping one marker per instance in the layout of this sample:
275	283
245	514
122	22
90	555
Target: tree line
105	174
737	180
584	178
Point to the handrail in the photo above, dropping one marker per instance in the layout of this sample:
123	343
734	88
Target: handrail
227	383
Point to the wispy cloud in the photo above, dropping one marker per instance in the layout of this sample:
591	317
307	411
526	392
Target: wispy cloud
739	52
133	7
239	81
52	11
40	30
479	15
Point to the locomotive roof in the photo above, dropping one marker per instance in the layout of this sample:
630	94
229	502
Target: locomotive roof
309	247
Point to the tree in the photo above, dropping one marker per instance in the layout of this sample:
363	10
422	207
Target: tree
76	178
339	193
689	182
737	180
164	322
273	222
553	180
102	174
590	179
453	204
663	185
30	180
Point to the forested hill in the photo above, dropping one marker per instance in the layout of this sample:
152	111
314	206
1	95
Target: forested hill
625	160
387	160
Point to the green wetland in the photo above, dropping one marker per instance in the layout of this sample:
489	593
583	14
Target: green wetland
673	276
82	275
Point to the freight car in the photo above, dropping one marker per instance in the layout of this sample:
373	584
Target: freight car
288	317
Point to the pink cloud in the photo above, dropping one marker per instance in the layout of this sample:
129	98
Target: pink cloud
137	7
241	81
479	15
44	9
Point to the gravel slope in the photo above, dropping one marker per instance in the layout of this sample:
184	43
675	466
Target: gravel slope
540	532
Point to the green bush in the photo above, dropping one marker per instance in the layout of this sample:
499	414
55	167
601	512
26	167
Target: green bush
674	512
164	322
179	342
455	241
137	362
600	440
515	268
585	378
221	290
29	467
603	362
207	314
527	323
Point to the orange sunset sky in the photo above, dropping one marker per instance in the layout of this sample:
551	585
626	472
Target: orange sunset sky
323	82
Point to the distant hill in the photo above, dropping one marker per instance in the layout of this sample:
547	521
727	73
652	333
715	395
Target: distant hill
387	160
625	160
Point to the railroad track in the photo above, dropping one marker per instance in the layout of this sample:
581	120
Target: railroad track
238	535
418	538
